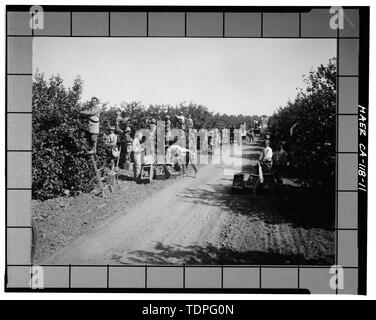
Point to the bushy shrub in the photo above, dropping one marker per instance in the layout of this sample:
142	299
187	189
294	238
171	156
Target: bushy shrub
308	127
59	164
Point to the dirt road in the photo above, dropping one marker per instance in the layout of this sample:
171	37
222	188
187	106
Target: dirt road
199	221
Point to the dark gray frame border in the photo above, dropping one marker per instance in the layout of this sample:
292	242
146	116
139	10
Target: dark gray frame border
222	10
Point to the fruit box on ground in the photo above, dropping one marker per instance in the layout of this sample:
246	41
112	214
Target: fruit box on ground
238	181
146	173
159	172
171	172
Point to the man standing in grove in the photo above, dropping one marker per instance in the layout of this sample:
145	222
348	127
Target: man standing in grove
128	144
168	128
138	149
280	163
266	156
232	134
181	120
151	144
92	116
111	143
265	160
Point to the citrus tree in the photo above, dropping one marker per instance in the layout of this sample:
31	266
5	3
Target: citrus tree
59	164
307	126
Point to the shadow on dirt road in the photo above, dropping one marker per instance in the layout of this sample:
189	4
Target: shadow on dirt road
211	255
288	205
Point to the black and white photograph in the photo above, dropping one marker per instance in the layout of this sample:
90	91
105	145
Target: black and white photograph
184	151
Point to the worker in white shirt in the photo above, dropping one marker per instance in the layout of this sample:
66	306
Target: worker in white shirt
151	143
138	148
190	123
181	120
265	161
266	156
243	132
177	154
111	138
112	149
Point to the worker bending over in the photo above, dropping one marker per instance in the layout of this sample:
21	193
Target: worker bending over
178	154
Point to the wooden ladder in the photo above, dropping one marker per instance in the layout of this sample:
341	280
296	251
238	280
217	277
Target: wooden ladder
98	176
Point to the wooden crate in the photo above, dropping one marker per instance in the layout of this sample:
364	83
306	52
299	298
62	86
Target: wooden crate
251	181
238	182
146	175
171	173
159	172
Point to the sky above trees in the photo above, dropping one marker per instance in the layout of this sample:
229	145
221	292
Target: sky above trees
234	76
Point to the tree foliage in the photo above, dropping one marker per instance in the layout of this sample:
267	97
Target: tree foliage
308	127
58	162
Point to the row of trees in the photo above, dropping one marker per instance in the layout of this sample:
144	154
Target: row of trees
202	117
307	126
59	145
